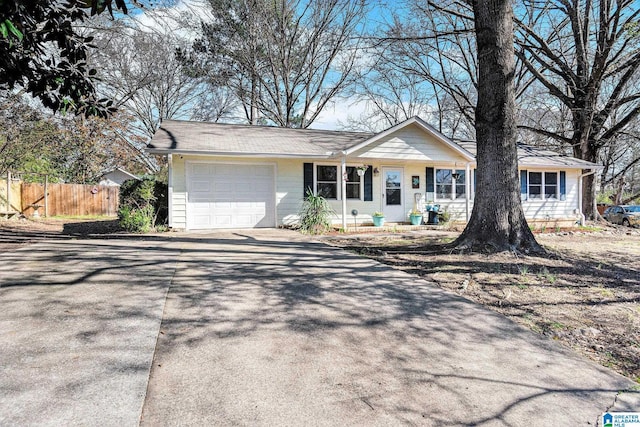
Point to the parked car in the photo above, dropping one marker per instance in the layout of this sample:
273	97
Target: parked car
623	215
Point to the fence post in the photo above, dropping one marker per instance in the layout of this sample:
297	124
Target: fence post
8	193
46	199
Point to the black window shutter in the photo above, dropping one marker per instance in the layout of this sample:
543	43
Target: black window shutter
368	184
431	192
523	185
308	179
563	185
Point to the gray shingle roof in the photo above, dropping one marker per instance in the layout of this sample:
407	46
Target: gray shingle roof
175	136
529	156
203	137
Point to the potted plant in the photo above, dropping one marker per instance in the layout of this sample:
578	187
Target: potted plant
415	216
378	219
362	169
429	206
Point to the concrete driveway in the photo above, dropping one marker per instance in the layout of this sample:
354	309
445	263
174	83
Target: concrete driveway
78	326
268	328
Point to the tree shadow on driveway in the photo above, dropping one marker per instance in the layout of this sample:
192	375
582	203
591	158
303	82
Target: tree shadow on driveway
268	331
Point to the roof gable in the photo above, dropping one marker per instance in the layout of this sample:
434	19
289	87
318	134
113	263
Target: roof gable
399	140
410	142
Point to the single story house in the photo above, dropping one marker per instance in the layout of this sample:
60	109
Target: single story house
235	176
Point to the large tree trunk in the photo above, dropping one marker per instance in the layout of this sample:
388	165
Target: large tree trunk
497	221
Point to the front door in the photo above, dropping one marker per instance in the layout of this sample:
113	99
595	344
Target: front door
393	194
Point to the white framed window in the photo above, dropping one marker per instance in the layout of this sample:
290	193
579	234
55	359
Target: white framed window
459	179
543	186
450	184
444	183
535	185
550	185
354	183
327	181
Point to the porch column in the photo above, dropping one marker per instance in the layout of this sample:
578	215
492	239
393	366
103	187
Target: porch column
343	191
8	194
467	192
170	189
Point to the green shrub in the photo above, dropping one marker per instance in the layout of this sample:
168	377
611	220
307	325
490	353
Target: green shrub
315	214
136	220
143	204
444	215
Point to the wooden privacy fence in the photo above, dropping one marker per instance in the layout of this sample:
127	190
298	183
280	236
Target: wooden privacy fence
69	199
10	198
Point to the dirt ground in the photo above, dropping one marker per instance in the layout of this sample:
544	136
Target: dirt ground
585	294
17	232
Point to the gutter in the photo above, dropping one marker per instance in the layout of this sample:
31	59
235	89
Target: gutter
327	155
467	185
580	177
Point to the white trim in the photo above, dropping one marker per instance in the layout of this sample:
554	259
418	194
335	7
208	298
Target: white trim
343	176
580	178
328	155
383	188
467	194
340	191
170	190
360	183
454	183
557	166
315	178
543	197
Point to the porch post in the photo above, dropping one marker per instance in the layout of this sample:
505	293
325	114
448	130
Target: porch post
343	191
170	190
467	191
46	196
8	194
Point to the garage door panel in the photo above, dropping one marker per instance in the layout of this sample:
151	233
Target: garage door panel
230	196
200	169
201	187
223	221
245	220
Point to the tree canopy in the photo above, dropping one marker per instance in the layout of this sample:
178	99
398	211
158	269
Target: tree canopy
42	53
283	60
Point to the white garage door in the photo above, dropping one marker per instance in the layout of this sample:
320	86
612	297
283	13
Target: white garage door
230	196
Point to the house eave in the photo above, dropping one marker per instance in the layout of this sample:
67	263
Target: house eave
239	154
557	166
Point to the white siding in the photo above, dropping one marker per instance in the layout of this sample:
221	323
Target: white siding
553	209
410	143
179	193
289	191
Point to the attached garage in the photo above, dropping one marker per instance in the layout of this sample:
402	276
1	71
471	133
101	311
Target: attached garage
227	195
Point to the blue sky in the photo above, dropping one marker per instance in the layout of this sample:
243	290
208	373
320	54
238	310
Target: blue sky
335	112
